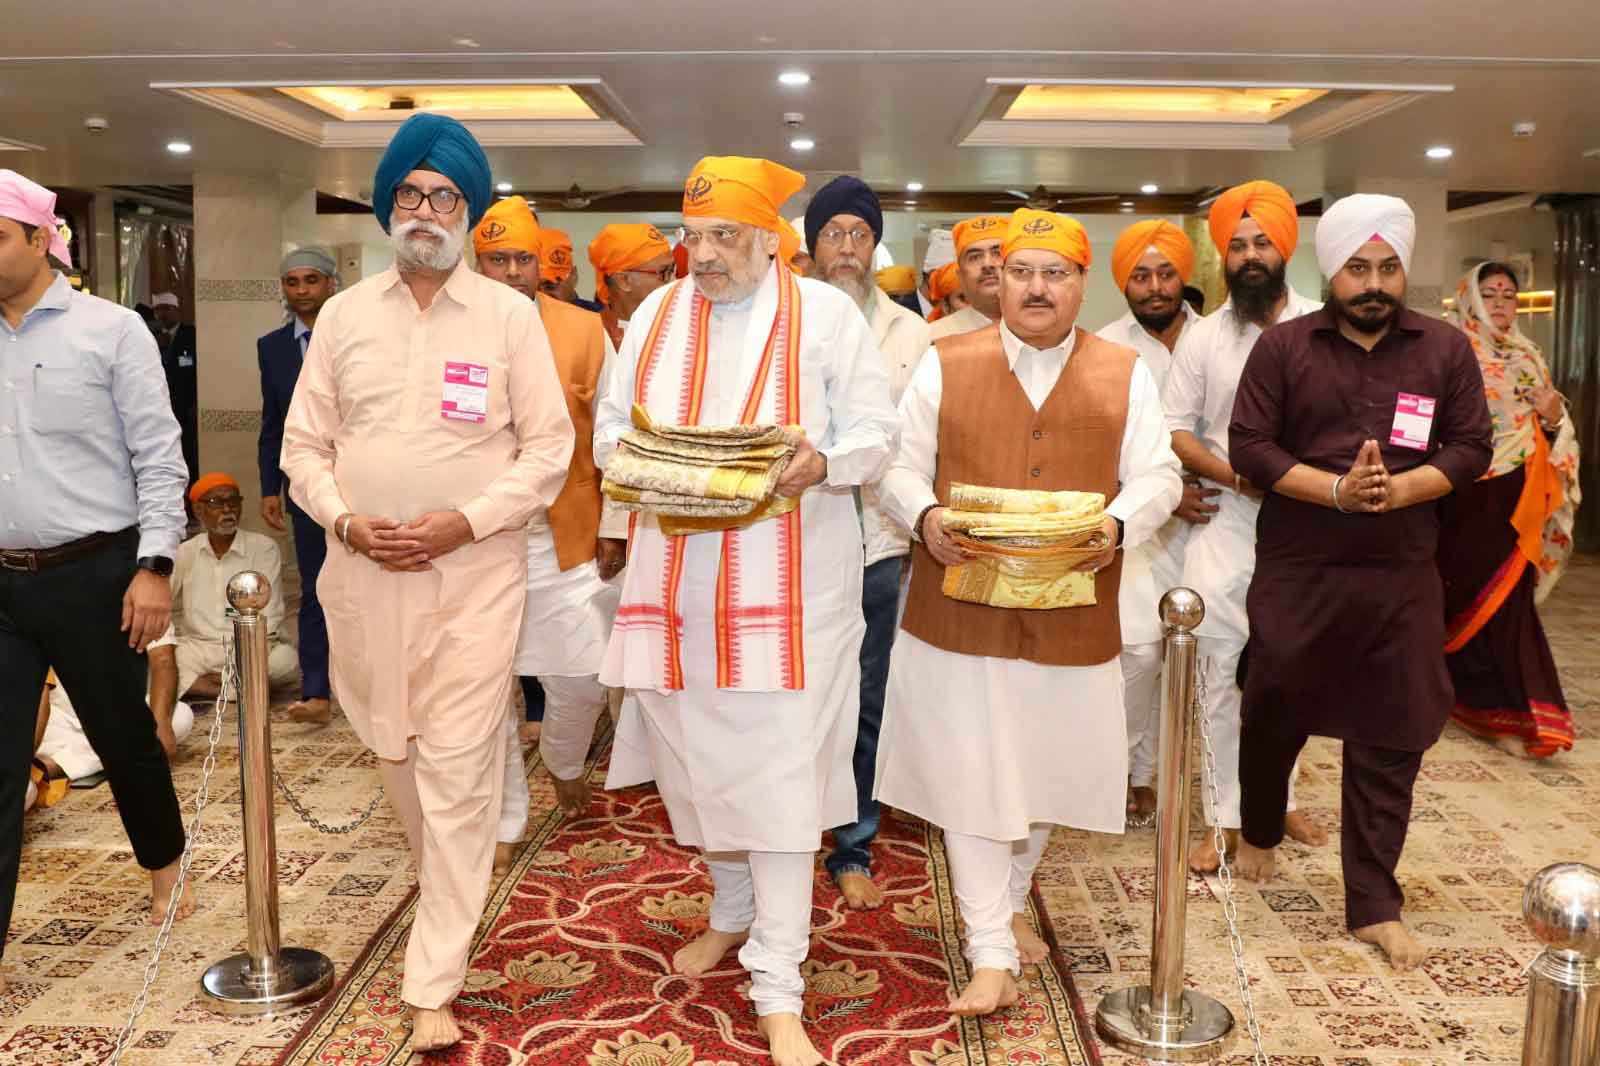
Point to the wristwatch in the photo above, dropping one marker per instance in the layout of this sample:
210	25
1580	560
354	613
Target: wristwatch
1118	521
160	565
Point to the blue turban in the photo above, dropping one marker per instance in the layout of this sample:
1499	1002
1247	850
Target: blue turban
843	195
441	144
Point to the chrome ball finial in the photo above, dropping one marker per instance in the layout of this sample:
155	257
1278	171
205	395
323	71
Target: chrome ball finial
1562	907
1182	609
249	592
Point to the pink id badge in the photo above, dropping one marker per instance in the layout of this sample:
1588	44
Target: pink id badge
466	392
1413	421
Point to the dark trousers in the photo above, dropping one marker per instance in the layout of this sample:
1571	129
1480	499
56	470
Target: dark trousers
70	617
310	549
532	698
880	598
1375	809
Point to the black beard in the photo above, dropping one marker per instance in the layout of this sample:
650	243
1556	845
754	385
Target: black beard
1254	295
1368	314
1158	322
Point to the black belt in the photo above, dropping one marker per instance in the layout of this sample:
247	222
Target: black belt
28	560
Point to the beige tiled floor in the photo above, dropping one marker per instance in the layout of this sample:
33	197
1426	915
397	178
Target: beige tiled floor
1484	823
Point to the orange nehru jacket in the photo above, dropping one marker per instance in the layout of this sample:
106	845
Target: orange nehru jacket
578	343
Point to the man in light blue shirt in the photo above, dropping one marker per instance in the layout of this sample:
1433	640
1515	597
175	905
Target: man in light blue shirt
91	511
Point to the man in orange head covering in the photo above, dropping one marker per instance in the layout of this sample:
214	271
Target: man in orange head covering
1150	263
1037	404
748	680
978	260
558	268
631	260
1255	228
944	291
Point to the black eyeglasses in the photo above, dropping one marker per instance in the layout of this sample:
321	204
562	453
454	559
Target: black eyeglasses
443	201
666	273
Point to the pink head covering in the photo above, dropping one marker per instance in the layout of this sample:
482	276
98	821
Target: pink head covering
32	204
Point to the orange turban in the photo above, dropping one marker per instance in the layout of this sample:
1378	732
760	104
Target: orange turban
208	482
943	282
897	280
1050	231
789	243
508	225
680	256
623	246
555	255
983	228
740	189
1268	203
1141	237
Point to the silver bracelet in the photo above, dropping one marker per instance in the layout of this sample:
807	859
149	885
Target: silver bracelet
1336	483
344	534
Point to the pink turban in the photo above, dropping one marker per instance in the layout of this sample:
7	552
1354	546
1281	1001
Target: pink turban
32	204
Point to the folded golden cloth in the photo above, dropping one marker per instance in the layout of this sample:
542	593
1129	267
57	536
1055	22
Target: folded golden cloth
1024	545
696	479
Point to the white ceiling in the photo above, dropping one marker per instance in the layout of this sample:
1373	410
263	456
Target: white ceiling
895	84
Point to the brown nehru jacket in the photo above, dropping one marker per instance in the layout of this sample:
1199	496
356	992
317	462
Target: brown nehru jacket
989	434
577	340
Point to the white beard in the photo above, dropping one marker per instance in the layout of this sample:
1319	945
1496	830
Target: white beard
441	256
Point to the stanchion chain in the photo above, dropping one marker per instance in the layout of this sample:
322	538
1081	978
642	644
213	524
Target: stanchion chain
317	823
1225	873
201	798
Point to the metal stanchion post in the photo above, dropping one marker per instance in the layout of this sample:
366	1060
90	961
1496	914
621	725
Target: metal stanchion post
1164	1020
1562	908
266	977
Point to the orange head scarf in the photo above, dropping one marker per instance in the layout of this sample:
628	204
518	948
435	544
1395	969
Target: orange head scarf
555	255
1050	231
741	189
943	282
623	246
1268	203
970	231
897	280
508	225
208	482
1158	234
789	243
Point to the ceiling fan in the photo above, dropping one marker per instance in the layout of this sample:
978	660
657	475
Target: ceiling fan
575	199
1042	199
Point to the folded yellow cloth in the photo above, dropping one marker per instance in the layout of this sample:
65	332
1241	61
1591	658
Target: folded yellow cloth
1024	545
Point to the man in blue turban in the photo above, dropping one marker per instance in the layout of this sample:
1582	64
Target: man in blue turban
439	144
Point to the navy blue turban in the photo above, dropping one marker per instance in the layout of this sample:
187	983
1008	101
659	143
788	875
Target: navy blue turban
843	195
441	144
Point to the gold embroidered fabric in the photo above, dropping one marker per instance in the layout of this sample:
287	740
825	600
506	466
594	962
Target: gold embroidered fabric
1024	545
697	479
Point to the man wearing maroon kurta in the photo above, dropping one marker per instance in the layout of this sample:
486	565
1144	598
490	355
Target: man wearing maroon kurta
1359	417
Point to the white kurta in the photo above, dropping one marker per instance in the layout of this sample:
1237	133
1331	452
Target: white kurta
965	320
902	337
988	746
754	770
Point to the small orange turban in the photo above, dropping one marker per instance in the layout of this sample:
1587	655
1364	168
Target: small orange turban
1050	231
623	246
680	256
943	282
1268	203
1157	234
897	280
970	231
555	255
208	482
508	225
789	243
740	189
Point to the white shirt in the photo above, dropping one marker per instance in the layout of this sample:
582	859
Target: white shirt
200	583
1146	469
1154	354
902	337
966	320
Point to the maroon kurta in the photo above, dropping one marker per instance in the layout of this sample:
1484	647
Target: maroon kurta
1346	610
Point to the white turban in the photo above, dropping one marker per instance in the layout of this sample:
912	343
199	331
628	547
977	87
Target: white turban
1355	220
164	299
941	250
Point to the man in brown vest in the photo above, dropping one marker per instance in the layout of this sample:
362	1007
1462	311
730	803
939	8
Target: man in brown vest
1000	723
566	619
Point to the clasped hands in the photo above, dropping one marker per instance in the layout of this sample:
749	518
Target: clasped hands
1366	487
407	548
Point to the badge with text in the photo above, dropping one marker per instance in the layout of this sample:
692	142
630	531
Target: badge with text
1413	421
466	392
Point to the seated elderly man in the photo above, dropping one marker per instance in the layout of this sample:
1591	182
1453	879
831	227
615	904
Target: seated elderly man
62	752
200	575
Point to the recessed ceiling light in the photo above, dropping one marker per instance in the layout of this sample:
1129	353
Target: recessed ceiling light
1127	203
794	78
1149	188
913	186
1440	151
802	144
504	186
179	147
911	203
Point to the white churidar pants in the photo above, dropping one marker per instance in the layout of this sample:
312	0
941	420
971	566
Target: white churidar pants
1219	667
768	893
1141	694
991	880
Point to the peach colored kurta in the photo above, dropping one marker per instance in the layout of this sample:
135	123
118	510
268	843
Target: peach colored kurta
426	655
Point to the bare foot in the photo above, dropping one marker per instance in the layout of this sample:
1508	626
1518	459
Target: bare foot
504	853
987	992
315	712
572	795
787	1041
706	950
1514	746
1299	828
1397	943
162	882
859	892
1030	947
1253	863
433	1029
1204	859
528	732
1141	801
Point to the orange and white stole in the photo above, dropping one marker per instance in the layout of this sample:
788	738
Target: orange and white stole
758	611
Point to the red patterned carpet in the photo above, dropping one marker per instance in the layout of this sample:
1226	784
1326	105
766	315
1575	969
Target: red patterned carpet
572	967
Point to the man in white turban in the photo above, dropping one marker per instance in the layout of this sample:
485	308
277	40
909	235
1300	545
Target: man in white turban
1356	419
